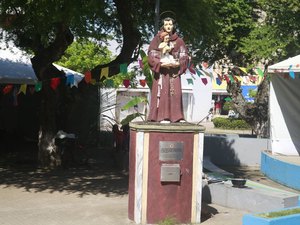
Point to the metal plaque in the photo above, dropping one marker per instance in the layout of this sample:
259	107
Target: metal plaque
170	150
170	173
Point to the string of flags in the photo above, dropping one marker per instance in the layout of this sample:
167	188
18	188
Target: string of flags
203	71
69	81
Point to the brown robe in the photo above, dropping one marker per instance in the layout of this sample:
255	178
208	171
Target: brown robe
166	94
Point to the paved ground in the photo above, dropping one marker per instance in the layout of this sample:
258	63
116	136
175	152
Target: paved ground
92	195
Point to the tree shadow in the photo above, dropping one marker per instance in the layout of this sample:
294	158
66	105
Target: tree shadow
220	150
19	168
80	181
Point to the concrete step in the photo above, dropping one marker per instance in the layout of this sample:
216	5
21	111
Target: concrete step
253	197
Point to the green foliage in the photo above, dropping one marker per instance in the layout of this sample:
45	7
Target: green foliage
230	123
227	106
168	221
83	55
252	93
130	117
133	102
146	69
286	212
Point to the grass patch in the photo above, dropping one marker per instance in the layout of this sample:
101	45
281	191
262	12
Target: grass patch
168	221
280	213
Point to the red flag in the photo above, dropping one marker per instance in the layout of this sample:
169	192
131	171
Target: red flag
143	83
126	83
204	81
7	89
227	78
55	82
87	77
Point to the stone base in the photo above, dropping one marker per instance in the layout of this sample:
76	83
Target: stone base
153	197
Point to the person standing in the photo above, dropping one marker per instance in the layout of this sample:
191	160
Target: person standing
166	94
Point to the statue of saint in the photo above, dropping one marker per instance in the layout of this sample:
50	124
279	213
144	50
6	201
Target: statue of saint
168	59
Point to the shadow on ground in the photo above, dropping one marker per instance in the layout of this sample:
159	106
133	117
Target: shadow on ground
19	169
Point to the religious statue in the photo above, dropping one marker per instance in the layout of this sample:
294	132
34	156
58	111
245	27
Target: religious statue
168	60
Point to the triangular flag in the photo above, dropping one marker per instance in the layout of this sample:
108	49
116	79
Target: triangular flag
260	72
292	74
218	81
252	79
226	78
143	83
38	86
109	83
190	81
123	68
54	83
7	89
70	80
88	77
204	81
231	77
198	72
23	89
104	72
243	69
126	83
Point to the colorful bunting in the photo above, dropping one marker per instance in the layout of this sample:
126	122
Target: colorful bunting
7	89
260	72
38	86
190	81
88	77
126	83
292	74
70	80
231	77
198	72
226	78
143	83
218	81
204	81
123	68
104	72
54	83
110	83
243	69
23	89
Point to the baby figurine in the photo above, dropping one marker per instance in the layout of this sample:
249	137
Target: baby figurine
165	47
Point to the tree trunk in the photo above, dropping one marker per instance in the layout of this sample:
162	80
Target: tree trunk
256	114
42	64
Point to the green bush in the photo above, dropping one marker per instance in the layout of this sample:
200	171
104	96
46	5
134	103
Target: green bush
230	123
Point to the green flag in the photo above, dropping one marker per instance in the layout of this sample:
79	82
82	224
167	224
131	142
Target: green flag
38	86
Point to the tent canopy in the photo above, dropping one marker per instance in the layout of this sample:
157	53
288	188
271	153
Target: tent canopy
285	107
16	68
285	66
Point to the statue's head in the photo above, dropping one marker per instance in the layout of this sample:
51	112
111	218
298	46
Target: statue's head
168	25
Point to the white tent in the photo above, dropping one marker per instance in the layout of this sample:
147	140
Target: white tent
16	68
285	107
